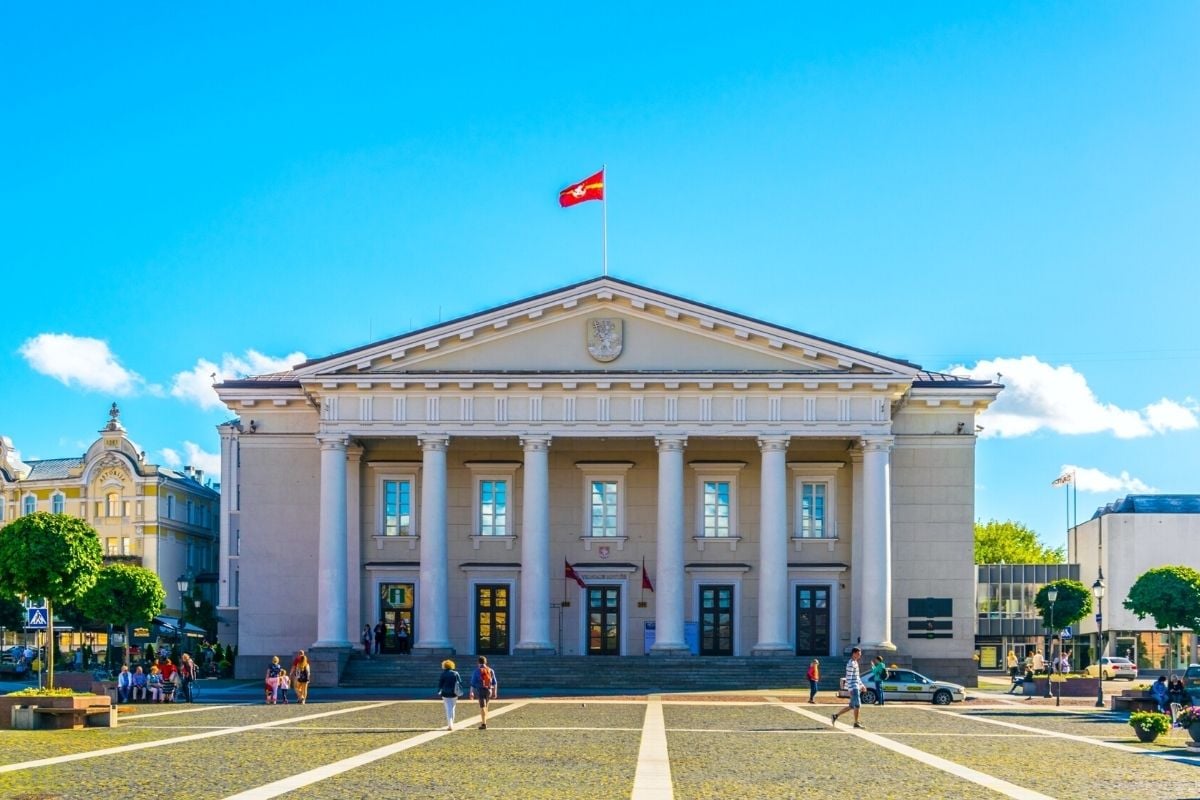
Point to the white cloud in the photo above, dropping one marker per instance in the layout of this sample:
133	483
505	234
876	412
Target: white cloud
1040	395
209	462
196	385
1089	479
1167	415
82	361
171	457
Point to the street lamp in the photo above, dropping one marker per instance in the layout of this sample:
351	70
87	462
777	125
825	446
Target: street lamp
1098	593
1051	595
181	583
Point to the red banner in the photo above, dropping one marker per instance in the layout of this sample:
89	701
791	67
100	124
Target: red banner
591	188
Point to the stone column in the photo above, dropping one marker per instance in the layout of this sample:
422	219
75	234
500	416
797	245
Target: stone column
876	569
535	549
228	492
354	606
773	552
433	614
331	549
856	544
669	591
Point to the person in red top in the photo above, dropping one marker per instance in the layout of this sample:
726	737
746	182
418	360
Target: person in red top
814	678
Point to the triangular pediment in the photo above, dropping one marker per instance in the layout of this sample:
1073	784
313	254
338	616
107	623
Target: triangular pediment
603	326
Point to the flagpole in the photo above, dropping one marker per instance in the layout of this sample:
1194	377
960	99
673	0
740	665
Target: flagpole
604	215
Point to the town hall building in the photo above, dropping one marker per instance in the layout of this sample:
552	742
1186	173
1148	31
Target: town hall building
719	485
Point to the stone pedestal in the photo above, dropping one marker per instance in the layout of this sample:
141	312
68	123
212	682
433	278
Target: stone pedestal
326	665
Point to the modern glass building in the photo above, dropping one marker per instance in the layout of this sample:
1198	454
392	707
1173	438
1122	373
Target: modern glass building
1006	616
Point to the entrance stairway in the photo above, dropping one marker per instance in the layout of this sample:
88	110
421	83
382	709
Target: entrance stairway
598	674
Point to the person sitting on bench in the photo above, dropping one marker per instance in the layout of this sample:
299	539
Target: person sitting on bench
124	684
155	684
1019	681
139	684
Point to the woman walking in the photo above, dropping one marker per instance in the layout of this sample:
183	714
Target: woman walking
301	674
274	670
449	689
814	678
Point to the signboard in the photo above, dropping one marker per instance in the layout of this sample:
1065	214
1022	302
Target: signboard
1066	632
989	657
36	617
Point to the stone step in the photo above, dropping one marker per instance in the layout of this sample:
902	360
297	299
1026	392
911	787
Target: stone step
638	673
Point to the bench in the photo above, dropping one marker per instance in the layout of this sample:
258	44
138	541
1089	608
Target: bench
35	717
1133	701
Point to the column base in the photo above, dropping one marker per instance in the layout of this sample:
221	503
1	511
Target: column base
880	647
534	649
669	649
331	645
327	664
434	649
771	650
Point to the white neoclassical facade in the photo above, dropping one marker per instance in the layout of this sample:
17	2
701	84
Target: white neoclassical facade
782	493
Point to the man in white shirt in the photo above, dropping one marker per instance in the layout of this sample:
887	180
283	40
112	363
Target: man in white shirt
854	686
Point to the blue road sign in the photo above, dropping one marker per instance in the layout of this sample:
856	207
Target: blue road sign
1066	632
35	617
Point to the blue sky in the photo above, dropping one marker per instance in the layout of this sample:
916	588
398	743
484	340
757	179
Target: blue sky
1003	187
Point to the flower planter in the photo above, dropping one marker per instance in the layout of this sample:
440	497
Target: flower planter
1145	736
1194	731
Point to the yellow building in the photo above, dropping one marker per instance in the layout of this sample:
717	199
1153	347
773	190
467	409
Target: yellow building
153	516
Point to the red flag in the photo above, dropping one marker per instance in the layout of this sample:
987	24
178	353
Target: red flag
571	573
591	188
646	584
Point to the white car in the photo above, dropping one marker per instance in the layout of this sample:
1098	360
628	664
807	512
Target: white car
904	684
1114	667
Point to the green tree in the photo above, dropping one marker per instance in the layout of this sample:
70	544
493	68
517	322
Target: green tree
1170	595
54	556
124	594
1073	603
12	613
1012	543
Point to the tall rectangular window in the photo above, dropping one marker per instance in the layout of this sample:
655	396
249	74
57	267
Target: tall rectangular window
30	504
493	508
397	508
604	508
113	505
58	504
812	510
170	506
716	508
191	513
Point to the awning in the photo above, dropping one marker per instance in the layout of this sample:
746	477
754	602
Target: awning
172	624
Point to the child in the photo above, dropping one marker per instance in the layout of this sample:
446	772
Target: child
285	683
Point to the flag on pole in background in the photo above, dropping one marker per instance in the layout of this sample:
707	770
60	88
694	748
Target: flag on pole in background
1065	478
590	188
646	584
571	573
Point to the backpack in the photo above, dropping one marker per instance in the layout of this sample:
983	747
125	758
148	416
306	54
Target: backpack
486	678
302	675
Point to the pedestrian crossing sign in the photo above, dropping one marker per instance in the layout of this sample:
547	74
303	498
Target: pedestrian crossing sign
35	617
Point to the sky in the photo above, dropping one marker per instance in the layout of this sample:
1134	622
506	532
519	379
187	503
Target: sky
985	188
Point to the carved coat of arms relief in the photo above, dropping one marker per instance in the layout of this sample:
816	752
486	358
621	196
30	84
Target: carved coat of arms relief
605	338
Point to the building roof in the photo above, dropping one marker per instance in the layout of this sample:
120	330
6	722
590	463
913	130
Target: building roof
924	379
52	468
1152	504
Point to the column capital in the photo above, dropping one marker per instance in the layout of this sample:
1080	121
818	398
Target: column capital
333	441
769	444
434	441
669	443
535	442
876	443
